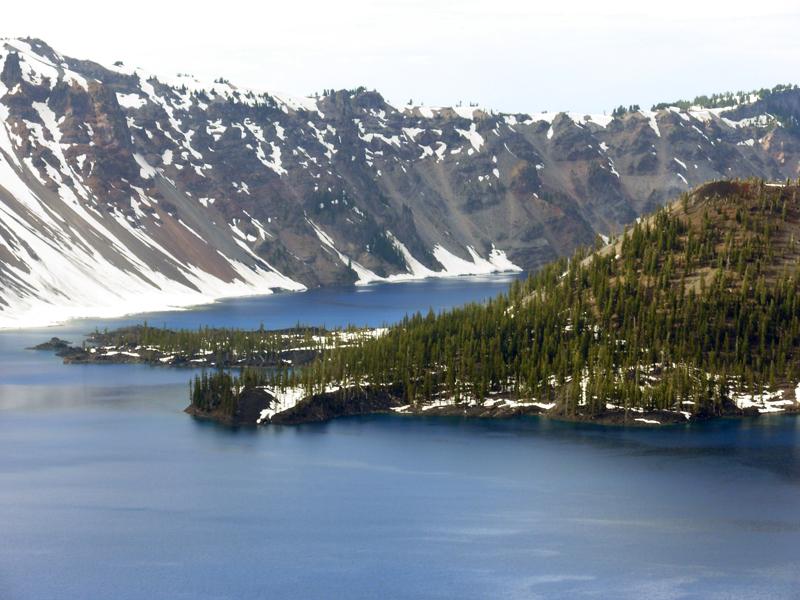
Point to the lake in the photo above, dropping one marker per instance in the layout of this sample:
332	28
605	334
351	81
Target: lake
108	490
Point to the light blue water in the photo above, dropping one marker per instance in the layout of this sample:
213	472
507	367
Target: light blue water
108	490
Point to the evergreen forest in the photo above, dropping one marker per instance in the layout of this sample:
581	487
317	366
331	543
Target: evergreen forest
683	311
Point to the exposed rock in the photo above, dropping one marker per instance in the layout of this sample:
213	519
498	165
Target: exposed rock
120	186
251	403
54	344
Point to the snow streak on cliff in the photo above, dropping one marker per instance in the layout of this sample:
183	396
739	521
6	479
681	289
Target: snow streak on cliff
121	191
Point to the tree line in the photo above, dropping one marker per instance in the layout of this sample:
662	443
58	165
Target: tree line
686	307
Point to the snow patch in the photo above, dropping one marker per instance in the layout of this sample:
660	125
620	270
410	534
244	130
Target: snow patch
475	138
130	100
651	117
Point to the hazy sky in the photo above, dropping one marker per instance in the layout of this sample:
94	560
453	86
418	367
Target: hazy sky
513	56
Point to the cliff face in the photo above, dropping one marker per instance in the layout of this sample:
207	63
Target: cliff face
123	191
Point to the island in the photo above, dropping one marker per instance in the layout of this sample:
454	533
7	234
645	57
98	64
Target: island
691	313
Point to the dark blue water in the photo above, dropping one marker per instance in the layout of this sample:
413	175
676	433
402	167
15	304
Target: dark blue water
107	490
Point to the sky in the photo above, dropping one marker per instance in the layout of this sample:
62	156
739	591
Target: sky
584	57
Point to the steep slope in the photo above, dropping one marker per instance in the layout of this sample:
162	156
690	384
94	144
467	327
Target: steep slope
691	314
120	190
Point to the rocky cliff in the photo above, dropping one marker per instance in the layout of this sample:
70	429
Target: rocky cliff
123	191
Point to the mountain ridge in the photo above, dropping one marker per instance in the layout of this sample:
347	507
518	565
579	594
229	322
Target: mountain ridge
122	191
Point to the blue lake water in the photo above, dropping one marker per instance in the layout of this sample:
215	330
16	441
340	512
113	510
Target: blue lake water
108	490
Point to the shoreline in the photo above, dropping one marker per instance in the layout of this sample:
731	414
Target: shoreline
190	301
290	406
332	405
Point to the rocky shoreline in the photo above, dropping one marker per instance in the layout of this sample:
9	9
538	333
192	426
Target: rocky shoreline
100	348
254	404
259	406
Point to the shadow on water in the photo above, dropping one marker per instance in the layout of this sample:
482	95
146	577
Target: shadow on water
768	443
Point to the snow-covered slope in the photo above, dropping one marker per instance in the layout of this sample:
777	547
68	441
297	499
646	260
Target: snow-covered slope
85	233
122	191
64	250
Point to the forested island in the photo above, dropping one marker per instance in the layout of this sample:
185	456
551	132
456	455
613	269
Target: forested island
206	347
692	313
